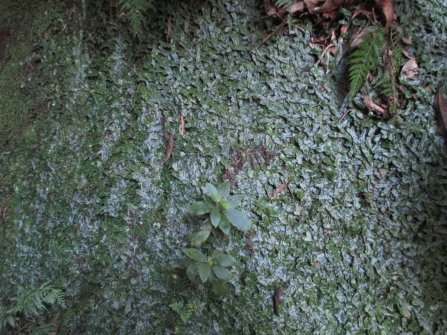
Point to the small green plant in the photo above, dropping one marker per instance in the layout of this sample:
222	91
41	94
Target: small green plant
222	211
29	305
186	311
209	268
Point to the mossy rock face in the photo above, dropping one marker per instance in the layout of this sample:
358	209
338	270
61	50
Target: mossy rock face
354	239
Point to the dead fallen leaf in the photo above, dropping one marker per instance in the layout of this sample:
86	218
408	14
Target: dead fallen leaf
330	15
332	50
344	29
440	106
277	300
358	37
270	9
388	11
410	69
331	5
296	7
278	190
182	125
407	40
169	148
372	106
282	12
406	53
310	4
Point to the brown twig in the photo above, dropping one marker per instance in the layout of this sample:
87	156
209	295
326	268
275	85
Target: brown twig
182	125
274	32
169	148
279	189
277	300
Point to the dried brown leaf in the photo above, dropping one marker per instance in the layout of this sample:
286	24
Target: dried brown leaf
440	106
372	106
270	9
311	4
277	300
387	8
358	37
406	53
330	15
278	190
410	69
332	5
182	125
282	12
407	40
169	148
332	50
296	7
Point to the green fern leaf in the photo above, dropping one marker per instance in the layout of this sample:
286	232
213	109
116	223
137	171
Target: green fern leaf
43	329
366	57
135	10
284	3
32	302
386	86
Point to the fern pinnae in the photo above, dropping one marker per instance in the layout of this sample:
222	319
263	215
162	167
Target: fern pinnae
135	10
386	85
32	302
29	306
284	3
366	57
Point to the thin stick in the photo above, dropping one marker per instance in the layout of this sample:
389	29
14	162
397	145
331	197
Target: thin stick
274	32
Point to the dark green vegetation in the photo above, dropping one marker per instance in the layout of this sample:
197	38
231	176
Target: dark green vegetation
365	58
136	12
29	304
222	212
355	238
222	208
212	268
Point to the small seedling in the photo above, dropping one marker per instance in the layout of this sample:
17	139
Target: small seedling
222	211
186	311
209	268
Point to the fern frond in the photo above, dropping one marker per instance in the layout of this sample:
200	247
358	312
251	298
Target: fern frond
186	311
176	306
366	57
43	329
32	302
135	10
29	304
284	3
386	86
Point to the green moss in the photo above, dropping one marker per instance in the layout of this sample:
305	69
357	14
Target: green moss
94	209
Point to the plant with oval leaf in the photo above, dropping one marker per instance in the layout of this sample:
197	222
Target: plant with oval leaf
222	210
209	268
